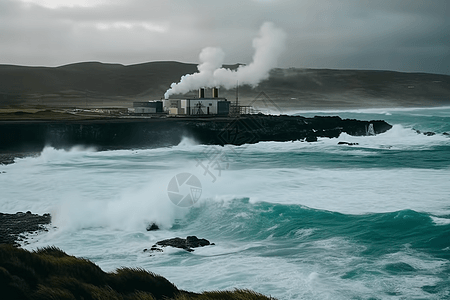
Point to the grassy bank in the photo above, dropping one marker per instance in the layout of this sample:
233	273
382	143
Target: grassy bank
49	273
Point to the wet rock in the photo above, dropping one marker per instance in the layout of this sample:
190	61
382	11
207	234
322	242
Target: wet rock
152	227
13	225
9	158
429	133
187	244
114	134
348	143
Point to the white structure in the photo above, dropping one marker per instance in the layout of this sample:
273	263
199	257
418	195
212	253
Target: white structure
198	106
149	107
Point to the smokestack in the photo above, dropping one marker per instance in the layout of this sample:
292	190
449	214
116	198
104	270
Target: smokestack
201	93
215	92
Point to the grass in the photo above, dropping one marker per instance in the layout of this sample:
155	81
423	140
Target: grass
49	273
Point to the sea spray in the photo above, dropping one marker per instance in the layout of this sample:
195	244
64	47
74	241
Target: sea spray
294	220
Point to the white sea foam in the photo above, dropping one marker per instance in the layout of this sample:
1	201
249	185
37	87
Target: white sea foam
440	221
101	203
380	111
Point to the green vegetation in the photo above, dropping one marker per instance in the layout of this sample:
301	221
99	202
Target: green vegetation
49	273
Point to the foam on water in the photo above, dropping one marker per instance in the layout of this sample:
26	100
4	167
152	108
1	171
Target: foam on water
292	220
380	111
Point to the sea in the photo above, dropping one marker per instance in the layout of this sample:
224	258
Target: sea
290	220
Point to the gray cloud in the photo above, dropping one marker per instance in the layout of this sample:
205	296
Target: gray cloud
398	35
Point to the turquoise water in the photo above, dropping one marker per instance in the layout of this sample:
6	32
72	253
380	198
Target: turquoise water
293	220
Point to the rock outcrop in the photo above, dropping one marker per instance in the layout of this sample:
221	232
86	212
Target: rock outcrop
13	225
152	227
187	244
140	133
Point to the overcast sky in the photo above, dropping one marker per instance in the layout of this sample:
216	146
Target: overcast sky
401	35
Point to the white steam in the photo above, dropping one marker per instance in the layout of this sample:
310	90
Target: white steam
268	47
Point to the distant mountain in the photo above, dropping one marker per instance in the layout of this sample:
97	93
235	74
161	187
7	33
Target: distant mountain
115	84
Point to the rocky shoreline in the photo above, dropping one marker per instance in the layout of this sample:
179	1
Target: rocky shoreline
31	274
13	226
9	158
122	133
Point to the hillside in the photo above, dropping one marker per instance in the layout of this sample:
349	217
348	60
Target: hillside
97	84
50	273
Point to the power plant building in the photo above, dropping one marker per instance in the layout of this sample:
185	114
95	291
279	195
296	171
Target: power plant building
198	106
149	107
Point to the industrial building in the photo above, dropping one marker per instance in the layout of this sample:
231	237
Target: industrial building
149	107
199	106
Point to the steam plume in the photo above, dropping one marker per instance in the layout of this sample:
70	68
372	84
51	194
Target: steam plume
268	47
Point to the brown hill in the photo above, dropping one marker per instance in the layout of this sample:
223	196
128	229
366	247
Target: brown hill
97	84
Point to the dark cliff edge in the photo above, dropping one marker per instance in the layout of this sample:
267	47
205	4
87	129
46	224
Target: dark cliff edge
108	134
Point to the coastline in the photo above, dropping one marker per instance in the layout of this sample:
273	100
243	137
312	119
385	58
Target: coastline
135	133
50	273
13	226
170	277
8	156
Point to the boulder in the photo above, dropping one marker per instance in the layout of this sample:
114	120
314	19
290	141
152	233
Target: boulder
427	133
152	227
187	244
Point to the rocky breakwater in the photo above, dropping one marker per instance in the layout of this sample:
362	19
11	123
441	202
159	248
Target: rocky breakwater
157	132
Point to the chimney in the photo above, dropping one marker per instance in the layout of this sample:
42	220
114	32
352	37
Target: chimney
215	92
201	93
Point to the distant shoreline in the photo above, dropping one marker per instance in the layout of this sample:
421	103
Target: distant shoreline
54	114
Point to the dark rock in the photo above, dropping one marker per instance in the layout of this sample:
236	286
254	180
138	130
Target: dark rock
114	133
8	158
427	133
446	133
187	244
13	225
347	143
152	227
194	242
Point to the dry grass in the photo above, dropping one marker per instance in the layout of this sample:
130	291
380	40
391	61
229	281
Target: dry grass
49	273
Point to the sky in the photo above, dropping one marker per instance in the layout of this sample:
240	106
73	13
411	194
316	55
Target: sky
399	35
